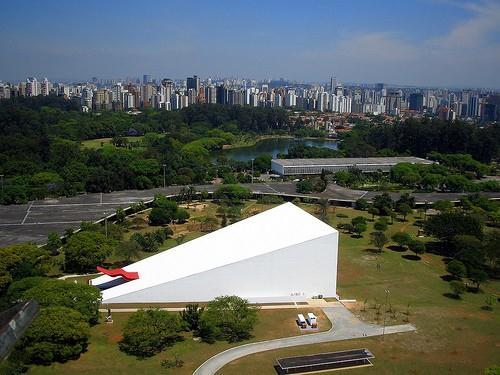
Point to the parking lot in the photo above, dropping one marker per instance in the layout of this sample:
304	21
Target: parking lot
32	222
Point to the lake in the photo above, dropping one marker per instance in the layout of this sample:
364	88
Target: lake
275	146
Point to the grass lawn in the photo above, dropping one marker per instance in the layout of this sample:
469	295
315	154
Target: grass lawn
104	357
102	142
453	337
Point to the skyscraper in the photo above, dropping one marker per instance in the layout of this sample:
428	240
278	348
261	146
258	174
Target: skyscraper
193	83
333	84
416	102
146	78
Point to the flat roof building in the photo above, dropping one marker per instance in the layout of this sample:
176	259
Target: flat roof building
287	167
281	255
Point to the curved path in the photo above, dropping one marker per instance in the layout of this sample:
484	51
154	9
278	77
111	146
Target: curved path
345	326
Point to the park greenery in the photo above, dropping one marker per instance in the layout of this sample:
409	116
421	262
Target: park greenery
148	332
42	155
468	254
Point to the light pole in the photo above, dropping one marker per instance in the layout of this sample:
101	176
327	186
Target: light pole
383	332
164	180
252	170
106	224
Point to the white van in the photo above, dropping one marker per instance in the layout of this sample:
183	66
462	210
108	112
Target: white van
312	320
301	321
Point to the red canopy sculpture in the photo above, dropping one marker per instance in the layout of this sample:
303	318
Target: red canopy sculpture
119	272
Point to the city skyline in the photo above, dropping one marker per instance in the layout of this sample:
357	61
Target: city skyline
427	43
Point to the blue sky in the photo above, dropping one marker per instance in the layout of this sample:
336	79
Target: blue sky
419	42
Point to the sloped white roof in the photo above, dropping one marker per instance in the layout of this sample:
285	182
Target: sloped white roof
268	231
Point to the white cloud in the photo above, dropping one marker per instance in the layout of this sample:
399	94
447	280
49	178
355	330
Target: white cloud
468	54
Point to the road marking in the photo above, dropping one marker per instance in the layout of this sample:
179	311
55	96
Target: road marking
38	223
273	189
81	204
27	212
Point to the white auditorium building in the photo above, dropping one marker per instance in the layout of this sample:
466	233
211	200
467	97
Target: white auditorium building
281	255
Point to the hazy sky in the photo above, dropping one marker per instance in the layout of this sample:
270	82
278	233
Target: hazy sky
416	42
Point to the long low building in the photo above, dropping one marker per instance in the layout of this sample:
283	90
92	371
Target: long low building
288	167
281	255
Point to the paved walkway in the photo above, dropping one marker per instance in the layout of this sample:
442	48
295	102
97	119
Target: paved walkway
345	326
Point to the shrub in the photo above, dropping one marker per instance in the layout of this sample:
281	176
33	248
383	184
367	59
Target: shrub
148	332
191	316
159	216
229	318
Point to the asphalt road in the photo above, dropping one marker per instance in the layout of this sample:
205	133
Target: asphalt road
345	326
33	221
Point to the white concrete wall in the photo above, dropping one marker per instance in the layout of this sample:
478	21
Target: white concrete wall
278	168
289	274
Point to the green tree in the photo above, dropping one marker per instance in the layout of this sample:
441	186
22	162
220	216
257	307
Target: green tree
383	203
80	297
228	318
457	287
191	316
304	186
128	250
405	210
442	205
372	210
182	215
120	215
478	277
17	288
19	261
379	240
232	194
58	334
148	332
447	225
402	239
358	220
381	225
53	243
85	250
361	204
456	269
417	247
159	216
359	229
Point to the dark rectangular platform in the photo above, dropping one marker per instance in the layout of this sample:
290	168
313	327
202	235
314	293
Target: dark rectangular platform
325	361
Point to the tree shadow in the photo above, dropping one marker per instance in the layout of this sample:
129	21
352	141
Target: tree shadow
372	251
411	257
356	236
398	249
419	223
474	290
487	308
451	296
447	278
437	248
